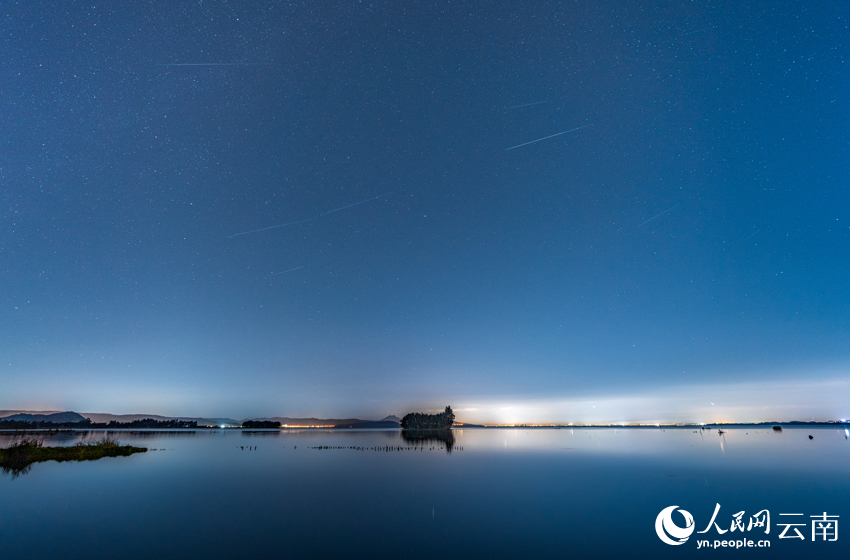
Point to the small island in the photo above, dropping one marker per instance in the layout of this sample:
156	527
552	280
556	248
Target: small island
260	424
422	421
19	457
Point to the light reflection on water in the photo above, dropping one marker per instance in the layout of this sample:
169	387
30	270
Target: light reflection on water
523	493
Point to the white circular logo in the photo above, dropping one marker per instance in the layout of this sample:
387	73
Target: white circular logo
666	528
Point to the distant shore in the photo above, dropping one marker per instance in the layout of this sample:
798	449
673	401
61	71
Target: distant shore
708	425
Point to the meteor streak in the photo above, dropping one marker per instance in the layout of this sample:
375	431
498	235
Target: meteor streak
285	271
659	215
527	104
355	204
309	219
547	137
219	64
271	227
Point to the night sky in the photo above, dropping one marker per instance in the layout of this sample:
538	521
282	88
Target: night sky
682	253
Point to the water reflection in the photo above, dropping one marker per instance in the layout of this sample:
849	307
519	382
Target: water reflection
16	470
520	493
261	433
437	437
153	434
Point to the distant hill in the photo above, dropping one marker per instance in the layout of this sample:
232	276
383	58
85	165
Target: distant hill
370	424
102	417
105	418
55	418
6	413
390	421
287	421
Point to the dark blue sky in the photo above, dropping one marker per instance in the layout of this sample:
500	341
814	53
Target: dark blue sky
694	234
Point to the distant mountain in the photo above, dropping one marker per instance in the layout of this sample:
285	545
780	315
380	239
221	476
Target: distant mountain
55	418
101	417
390	421
216	422
369	424
105	418
287	421
6	413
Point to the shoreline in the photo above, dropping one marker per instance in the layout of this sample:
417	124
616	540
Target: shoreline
706	426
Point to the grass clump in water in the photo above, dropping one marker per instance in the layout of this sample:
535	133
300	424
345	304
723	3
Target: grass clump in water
18	457
106	442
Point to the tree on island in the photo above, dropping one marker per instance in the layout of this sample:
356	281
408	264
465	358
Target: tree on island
421	421
260	424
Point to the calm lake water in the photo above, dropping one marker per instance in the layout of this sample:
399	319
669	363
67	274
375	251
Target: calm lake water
499	493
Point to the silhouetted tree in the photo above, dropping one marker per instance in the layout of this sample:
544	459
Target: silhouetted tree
421	421
260	424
